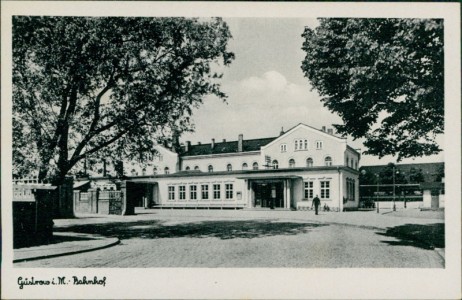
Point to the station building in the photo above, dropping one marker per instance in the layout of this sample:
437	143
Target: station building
282	172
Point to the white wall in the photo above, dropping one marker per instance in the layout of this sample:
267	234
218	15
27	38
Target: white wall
239	186
332	146
353	159
332	176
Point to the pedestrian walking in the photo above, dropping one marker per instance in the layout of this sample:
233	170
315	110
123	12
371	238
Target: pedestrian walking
316	203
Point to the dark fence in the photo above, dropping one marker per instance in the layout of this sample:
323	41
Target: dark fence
32	214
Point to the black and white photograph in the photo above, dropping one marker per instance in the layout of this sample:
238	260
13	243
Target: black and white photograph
230	150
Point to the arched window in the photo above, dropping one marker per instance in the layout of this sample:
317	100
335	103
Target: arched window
255	166
143	171
187	168
133	171
196	168
291	163
275	164
229	168
154	171
244	166
210	168
166	170
309	162
328	161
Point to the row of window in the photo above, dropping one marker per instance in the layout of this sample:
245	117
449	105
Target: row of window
351	163
324	191
204	192
229	167
302	144
275	164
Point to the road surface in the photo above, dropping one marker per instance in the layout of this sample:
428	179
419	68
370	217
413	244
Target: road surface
246	244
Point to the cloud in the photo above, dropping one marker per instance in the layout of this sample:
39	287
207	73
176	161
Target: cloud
258	106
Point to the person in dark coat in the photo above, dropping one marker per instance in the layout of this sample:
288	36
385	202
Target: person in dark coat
316	203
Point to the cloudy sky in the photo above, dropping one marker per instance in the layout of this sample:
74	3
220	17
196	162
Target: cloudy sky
266	88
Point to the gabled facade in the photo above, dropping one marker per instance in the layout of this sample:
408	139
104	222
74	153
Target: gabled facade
284	172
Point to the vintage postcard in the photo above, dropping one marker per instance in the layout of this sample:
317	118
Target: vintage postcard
230	150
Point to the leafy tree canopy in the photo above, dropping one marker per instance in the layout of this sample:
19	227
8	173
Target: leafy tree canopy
108	86
384	77
386	175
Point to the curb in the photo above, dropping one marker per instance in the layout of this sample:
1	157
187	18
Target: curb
117	241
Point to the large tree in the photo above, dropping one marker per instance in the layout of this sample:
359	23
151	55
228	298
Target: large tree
107	86
384	78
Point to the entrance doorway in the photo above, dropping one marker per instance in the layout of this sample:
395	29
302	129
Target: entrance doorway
269	194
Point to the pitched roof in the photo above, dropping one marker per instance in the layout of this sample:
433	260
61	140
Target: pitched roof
227	147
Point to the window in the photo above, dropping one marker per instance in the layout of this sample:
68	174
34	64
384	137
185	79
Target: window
193	192
275	164
205	191
305	145
328	161
182	192
154	171
283	148
356	165
296	144
171	193
319	145
255	166
291	163
229	190
244	166
187	168
210	168
216	191
196	168
229	168
325	189
309	162
143	172
350	189
166	170
309	189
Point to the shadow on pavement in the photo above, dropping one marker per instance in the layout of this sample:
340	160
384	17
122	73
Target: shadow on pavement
219	229
56	239
427	236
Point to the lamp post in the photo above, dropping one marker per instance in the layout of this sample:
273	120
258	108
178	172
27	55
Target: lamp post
394	195
377	200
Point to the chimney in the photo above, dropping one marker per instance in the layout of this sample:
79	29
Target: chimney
199	143
282	131
240	142
213	143
324	128
330	131
187	146
224	140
